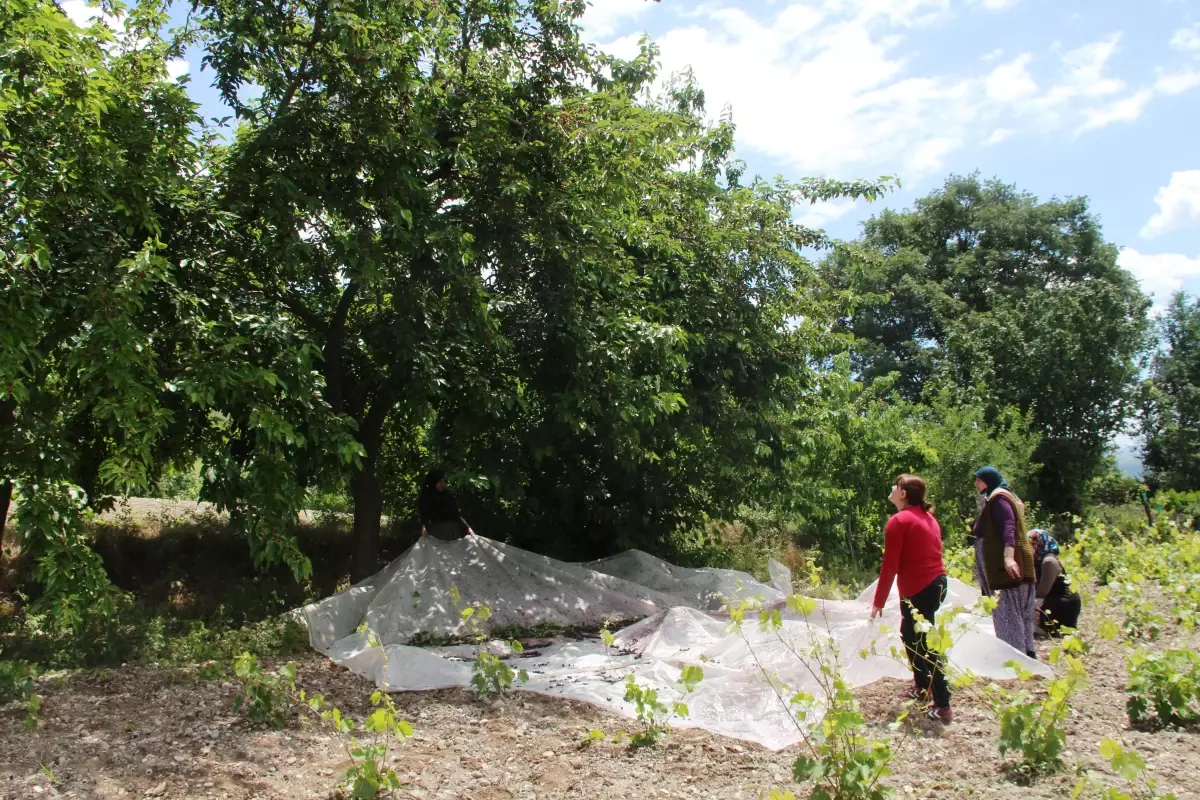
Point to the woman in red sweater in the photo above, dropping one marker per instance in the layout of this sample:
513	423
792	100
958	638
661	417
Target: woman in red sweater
912	556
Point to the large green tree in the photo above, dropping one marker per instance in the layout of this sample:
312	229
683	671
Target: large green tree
1018	301
511	255
118	344
1171	414
656	326
364	177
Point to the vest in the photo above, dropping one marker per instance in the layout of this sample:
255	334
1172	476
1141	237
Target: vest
993	546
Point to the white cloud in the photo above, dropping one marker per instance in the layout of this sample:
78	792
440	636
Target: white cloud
603	17
1187	40
999	135
1011	81
177	68
818	215
1174	83
998	5
833	86
1178	205
901	13
1161	275
1084	75
85	16
1127	109
820	89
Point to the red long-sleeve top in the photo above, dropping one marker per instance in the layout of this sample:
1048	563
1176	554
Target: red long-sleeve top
912	553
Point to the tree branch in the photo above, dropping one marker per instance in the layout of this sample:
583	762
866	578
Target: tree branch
305	62
306	315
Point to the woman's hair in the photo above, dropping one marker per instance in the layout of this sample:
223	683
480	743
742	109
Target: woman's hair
913	487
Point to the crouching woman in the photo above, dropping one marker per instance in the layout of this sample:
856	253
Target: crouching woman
1058	606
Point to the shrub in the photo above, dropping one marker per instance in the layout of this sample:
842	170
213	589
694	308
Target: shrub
1033	726
265	698
1167	683
17	686
655	715
491	677
268	698
1131	767
841	762
368	775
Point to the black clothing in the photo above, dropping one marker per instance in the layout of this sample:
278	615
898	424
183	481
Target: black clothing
928	671
434	506
1060	611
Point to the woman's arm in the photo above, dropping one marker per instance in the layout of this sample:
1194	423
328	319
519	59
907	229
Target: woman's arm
893	542
1005	519
1051	569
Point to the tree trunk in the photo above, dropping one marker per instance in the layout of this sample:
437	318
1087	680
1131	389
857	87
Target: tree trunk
368	511
368	496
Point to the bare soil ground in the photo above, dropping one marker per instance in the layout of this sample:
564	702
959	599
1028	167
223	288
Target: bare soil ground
147	732
138	732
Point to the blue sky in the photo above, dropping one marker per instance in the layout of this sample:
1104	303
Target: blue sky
1060	97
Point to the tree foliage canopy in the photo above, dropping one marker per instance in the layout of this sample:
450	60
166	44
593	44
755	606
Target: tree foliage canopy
1171	401
987	289
507	249
452	232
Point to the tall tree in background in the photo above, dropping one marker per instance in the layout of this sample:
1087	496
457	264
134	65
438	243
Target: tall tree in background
1171	415
983	287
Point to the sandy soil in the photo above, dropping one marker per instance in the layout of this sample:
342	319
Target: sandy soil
147	732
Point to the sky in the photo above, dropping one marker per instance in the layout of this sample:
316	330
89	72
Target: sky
1099	98
1095	98
1060	97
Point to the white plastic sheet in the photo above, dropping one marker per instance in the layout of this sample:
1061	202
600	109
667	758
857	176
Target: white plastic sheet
682	626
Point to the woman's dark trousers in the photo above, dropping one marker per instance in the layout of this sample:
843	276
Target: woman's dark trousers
927	667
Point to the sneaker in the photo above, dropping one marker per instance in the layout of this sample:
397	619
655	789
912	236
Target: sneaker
944	715
913	693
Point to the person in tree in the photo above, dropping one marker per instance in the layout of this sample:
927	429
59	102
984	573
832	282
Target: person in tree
1004	560
912	557
438	510
1058	606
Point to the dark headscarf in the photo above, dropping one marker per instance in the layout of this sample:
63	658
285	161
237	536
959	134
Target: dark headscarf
992	479
435	506
1043	545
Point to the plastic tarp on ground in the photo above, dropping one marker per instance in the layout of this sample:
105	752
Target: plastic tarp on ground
682	626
